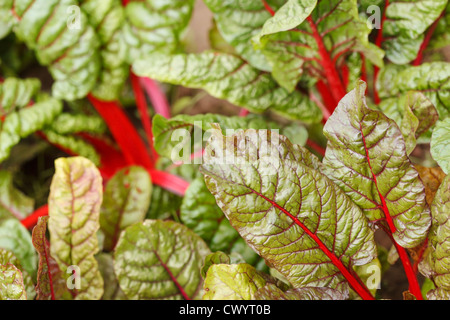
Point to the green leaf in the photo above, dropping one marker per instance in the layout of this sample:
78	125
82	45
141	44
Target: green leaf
238	22
126	201
274	196
155	26
440	144
13	203
217	257
16	238
298	52
107	17
7	256
74	208
432	79
160	260
232	282
437	258
200	213
405	26
63	40
228	77
271	292
66	123
163	204
419	116
11	283
51	282
111	287
366	157
441	35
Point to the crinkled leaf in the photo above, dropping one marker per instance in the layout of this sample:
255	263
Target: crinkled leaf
111	287
419	116
441	35
51	282
366	156
16	238
7	256
200	213
292	215
11	283
63	39
232	282
238	22
160	260
155	26
217	257
13	203
107	17
228	77
432	79
437	258
67	123
163	204
440	144
405	26
74	209
17	93
271	292
126	201
295	53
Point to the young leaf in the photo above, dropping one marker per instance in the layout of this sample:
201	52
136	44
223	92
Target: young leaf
366	157
232	282
11	283
437	258
155	26
228	77
74	208
274	196
51	282
330	32
440	144
6	257
432	79
13	203
126	200
405	25
160	260
16	238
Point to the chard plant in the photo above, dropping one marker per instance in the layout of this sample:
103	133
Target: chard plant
326	135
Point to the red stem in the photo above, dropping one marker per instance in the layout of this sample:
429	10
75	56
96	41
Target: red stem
143	111
169	181
426	40
315	147
157	97
30	221
326	95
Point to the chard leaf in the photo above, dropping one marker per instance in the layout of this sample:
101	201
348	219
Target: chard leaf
232	282
218	257
107	17
11	283
441	35
111	288
432	79
405	26
291	214
126	201
155	26
272	292
200	213
16	238
74	207
238	22
6	257
432	179
13	203
51	282
440	144
419	116
366	157
160	260
63	40
228	77
437	257
67	123
333	28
